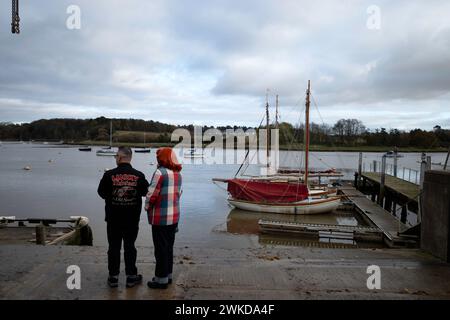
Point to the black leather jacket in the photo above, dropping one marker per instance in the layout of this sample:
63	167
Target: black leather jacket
123	189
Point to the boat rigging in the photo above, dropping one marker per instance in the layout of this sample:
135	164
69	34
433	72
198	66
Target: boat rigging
265	194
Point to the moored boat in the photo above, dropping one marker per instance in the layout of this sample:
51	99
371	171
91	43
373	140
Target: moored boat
143	150
279	197
307	206
193	153
108	151
267	194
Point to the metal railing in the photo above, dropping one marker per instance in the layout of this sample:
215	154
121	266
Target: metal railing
404	173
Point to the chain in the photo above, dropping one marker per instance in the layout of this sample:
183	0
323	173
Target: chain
15	27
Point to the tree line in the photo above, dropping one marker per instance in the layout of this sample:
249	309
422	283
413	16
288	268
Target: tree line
345	132
353	133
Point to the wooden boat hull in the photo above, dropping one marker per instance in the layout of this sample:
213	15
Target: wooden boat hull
309	206
25	231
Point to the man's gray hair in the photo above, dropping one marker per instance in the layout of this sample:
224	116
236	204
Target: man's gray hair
126	151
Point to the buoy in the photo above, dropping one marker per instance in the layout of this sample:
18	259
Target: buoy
27	168
50	160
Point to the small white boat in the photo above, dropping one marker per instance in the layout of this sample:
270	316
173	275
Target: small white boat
193	153
308	206
106	152
393	154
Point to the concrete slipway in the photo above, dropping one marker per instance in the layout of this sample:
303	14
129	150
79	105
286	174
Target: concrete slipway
39	272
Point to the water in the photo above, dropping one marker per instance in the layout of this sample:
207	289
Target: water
67	185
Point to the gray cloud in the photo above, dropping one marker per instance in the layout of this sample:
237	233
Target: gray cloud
210	62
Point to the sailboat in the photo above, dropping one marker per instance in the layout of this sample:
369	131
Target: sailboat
108	151
143	150
265	195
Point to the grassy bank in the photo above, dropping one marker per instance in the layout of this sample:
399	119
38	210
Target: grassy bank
127	144
362	148
298	147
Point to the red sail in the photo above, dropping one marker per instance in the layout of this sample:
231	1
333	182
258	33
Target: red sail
266	191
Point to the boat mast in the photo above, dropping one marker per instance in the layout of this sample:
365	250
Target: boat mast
276	113
267	128
308	93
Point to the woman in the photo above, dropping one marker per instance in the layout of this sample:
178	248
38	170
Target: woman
163	207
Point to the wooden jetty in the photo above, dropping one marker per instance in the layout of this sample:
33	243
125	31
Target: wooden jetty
392	228
404	188
381	225
393	192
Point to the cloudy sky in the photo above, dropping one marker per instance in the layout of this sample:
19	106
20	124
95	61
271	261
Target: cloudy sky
210	62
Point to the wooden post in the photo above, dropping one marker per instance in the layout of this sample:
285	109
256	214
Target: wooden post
359	170
40	234
446	159
404	213
374	165
382	180
395	162
423	168
426	162
388	203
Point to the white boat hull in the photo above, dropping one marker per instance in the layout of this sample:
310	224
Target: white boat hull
193	155
106	154
309	206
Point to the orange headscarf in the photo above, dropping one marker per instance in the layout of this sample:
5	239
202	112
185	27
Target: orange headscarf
167	159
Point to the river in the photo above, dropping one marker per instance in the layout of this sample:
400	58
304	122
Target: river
63	182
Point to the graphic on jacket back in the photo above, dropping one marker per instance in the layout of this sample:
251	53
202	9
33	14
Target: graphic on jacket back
124	189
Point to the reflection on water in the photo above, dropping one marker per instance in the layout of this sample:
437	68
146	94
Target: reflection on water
246	222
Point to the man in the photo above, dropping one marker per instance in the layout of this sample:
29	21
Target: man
123	189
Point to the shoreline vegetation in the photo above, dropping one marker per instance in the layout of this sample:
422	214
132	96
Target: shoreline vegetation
299	147
346	135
